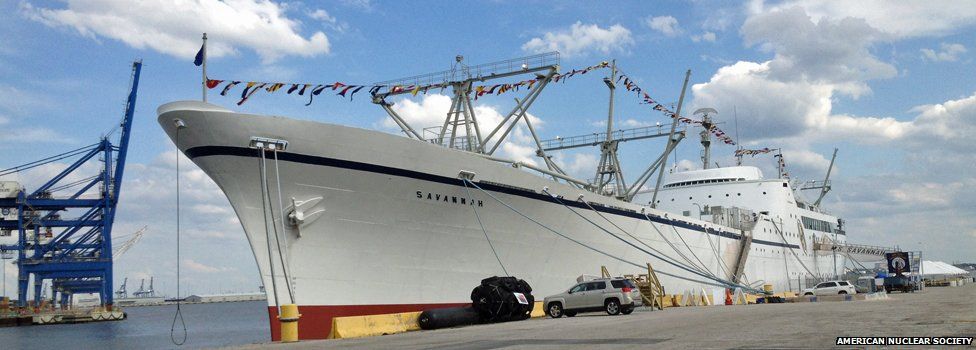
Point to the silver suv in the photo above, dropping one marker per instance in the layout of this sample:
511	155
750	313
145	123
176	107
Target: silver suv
613	295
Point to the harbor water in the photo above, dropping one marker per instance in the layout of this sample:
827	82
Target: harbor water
208	325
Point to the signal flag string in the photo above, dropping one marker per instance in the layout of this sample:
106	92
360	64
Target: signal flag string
350	90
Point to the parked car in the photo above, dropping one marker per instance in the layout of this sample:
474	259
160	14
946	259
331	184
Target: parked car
613	295
831	288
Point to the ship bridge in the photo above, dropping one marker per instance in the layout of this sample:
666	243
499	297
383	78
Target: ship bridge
714	175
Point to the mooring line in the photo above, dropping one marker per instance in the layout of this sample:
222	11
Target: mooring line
676	250
274	224
723	283
468	191
585	245
179	312
267	234
791	249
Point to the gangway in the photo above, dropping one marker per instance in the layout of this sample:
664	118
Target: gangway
64	227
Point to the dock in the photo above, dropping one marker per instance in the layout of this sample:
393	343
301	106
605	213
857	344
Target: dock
934	312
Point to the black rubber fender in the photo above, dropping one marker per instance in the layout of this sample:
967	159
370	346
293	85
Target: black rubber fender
448	317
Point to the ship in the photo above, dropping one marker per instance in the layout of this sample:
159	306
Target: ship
345	221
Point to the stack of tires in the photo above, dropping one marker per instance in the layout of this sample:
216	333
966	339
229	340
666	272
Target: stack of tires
501	299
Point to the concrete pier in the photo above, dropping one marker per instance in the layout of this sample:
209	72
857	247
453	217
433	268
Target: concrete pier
934	312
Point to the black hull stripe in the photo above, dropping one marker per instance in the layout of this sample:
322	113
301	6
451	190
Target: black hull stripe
203	151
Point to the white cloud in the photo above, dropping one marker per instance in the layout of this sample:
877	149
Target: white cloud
322	15
174	27
901	19
666	25
632	123
830	50
948	53
919	175
686	165
432	110
578	165
706	36
365	5
196	266
329	20
580	39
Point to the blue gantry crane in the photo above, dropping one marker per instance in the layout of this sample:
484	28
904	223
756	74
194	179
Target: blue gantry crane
64	227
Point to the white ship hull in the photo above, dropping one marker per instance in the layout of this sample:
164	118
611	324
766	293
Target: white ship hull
398	230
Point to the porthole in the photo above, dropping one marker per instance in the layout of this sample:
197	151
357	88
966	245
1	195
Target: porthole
738	194
689	198
726	194
709	196
764	192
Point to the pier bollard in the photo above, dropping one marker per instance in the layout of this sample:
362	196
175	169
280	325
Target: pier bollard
289	323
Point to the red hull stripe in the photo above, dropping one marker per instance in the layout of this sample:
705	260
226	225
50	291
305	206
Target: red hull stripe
316	321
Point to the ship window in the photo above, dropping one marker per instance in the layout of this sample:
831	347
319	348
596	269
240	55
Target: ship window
784	184
672	199
689	198
764	192
738	194
726	194
709	196
686	213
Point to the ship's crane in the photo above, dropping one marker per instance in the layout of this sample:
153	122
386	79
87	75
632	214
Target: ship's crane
64	227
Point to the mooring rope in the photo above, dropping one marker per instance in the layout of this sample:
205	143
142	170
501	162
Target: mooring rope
632	236
721	262
274	224
267	234
468	192
702	268
791	249
583	244
179	312
722	283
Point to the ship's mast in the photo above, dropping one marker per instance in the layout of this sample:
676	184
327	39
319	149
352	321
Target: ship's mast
609	170
461	116
706	134
672	142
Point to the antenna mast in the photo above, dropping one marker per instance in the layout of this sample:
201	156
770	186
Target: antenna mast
706	134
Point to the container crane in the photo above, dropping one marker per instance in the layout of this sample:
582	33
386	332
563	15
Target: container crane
74	253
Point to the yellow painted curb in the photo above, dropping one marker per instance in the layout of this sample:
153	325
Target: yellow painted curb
538	310
373	325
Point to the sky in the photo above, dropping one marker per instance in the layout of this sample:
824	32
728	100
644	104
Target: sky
888	83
